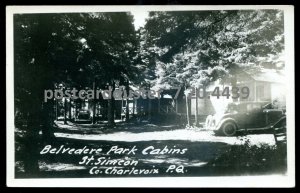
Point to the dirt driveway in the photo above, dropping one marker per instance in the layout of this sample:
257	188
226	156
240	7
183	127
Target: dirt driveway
205	155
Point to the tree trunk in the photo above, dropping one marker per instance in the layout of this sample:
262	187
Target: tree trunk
187	109
196	107
65	111
56	109
149	109
70	110
31	140
233	84
127	102
111	108
138	109
158	104
94	103
176	105
47	121
133	107
76	108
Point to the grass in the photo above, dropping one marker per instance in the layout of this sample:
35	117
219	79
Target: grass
252	159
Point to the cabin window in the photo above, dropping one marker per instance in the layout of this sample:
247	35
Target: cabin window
260	92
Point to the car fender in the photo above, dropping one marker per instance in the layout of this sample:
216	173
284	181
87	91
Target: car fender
219	125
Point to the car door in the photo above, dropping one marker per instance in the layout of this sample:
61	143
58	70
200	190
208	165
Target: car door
241	117
255	116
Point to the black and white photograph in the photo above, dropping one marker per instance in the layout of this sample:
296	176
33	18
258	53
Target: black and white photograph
150	96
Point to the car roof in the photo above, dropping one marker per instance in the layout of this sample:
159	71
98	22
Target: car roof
250	102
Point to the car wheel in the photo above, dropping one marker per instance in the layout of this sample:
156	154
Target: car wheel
229	128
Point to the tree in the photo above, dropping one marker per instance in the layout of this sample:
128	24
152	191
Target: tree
194	48
68	49
112	44
39	43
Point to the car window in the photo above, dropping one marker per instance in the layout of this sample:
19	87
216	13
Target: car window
267	106
231	108
242	108
256	106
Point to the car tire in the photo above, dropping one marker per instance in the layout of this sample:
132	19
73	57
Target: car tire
229	128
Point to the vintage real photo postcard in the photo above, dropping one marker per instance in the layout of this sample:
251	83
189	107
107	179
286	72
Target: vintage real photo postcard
150	96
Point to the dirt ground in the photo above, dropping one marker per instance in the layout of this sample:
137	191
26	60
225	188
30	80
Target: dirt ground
206	154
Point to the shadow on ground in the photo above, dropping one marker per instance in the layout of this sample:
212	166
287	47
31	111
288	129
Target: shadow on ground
201	159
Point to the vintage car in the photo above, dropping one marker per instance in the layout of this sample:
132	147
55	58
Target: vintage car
83	117
244	116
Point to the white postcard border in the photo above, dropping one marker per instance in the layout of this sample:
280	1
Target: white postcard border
287	180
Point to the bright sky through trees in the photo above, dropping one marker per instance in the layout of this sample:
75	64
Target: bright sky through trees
139	18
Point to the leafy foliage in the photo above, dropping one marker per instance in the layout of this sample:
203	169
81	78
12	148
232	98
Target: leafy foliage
193	48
